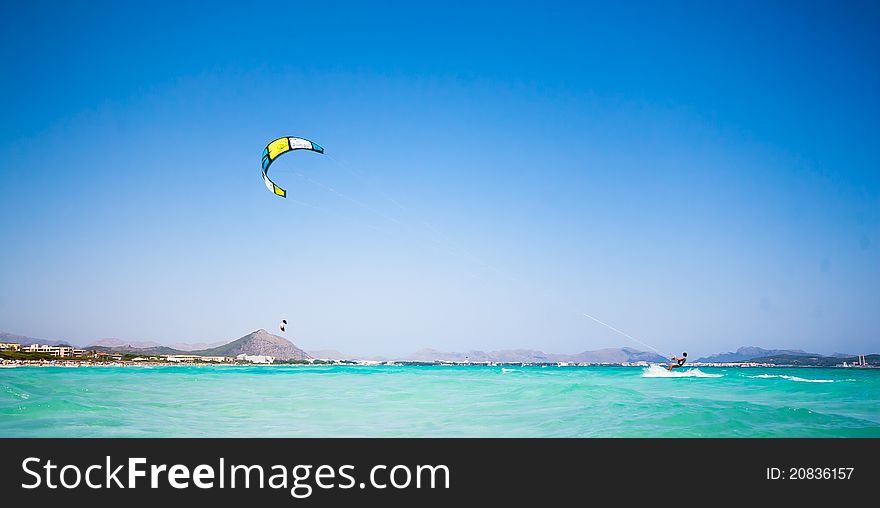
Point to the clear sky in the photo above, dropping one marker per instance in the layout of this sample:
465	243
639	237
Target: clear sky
700	176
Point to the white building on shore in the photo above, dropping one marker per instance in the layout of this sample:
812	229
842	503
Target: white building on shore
60	351
194	358
216	359
255	358
181	358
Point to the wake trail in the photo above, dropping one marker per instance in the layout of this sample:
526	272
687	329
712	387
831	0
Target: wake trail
660	371
791	378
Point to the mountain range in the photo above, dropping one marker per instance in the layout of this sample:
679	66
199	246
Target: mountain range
24	340
747	353
261	342
608	355
182	346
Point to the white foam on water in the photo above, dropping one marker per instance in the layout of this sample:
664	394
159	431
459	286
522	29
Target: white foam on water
791	378
20	395
503	370
660	371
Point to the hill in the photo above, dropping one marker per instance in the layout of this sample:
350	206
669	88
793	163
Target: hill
608	355
259	342
747	353
27	341
112	342
186	346
127	348
149	347
617	355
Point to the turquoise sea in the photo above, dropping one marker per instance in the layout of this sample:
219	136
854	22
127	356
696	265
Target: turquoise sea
389	401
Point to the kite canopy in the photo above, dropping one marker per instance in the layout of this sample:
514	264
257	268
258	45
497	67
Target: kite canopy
275	149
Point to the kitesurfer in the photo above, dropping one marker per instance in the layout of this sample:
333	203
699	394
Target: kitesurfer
679	361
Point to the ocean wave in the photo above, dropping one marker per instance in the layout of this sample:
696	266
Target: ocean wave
16	394
791	378
660	371
503	370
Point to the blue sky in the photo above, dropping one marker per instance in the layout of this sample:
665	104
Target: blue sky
699	176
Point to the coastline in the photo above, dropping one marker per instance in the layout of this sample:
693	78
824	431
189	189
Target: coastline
9	364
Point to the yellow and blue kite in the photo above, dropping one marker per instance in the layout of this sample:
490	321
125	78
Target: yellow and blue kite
275	149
